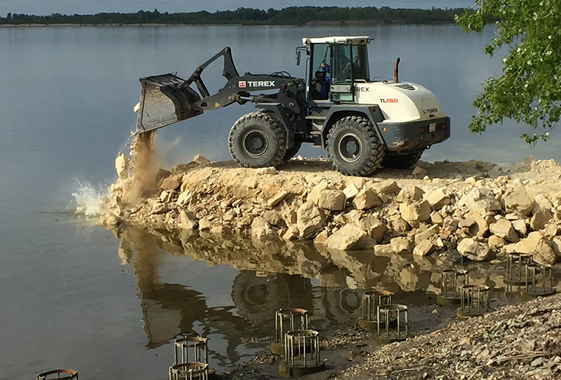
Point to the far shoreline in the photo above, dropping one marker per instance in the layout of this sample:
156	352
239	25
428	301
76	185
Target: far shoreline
308	24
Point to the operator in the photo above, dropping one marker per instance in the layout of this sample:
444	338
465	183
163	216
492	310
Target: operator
326	83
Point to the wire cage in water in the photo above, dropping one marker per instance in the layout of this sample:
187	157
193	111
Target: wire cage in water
58	374
189	371
301	353
369	308
475	301
392	332
287	319
450	285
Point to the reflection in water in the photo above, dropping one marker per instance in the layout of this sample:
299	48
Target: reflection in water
277	276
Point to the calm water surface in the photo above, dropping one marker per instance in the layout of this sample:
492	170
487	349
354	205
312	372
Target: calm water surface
74	295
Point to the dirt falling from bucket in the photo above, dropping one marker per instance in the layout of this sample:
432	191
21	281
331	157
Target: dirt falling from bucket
144	166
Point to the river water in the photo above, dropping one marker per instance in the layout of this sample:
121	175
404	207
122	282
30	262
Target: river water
74	295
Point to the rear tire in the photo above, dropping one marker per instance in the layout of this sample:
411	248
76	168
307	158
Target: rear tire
404	161
257	140
354	147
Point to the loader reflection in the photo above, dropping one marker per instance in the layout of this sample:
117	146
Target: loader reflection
269	278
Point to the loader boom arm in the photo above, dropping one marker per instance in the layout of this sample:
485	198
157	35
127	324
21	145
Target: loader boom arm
167	99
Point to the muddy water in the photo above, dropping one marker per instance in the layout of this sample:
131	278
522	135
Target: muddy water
329	284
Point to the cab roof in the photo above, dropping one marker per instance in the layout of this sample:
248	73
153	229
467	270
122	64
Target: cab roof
355	40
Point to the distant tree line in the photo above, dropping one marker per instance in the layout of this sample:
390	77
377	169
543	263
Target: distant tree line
249	16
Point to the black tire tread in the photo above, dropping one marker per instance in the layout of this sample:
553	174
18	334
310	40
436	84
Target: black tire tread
376	154
276	127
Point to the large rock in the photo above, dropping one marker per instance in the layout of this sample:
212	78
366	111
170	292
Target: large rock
410	194
351	191
275	200
262	231
387	187
374	227
402	245
520	227
315	194
334	200
535	244
518	201
424	248
480	199
540	219
399	224
188	220
310	219
172	182
439	198
272	217
541	203
473	250
414	213
480	227
504	229
366	199
122	166
202	161
348	238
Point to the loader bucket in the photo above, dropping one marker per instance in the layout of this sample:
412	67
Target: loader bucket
165	100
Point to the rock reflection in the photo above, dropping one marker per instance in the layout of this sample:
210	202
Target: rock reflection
280	275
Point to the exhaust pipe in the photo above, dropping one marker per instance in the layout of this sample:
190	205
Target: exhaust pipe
396	71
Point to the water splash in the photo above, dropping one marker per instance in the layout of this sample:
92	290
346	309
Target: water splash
88	197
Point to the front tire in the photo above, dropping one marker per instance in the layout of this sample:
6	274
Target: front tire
257	140
353	146
403	161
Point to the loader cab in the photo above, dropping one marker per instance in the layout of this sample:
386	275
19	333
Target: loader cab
336	63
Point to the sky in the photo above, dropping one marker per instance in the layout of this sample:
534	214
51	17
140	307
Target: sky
46	7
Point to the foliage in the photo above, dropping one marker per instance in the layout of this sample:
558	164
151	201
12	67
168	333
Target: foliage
529	90
249	16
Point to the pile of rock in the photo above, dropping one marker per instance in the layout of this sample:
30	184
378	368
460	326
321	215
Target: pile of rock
479	216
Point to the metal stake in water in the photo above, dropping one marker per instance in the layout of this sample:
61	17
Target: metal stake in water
370	302
399	313
188	371
199	346
289	320
302	348
474	300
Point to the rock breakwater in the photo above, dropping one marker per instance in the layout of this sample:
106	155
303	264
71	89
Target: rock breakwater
480	209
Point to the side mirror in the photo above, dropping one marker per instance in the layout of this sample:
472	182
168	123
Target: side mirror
298	57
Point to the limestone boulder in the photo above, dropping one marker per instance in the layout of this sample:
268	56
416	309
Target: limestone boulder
496	242
334	200
541	203
122	166
349	238
540	219
292	233
387	187
172	182
410	194
424	248
202	161
399	224
275	200
321	238
535	244
188	220
520	227
480	199
419	172
310	220
273	217
480	228
474	250
439	198
436	218
374	227
518	201
351	191
160	176
402	245
316	191
366	199
205	224
261	231
414	213
504	229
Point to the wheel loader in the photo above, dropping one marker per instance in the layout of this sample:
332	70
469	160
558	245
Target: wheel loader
363	124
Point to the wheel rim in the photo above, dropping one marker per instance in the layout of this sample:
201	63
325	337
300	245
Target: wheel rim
255	143
350	147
